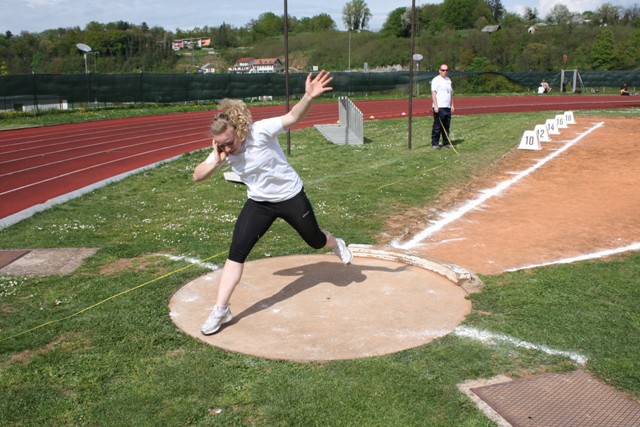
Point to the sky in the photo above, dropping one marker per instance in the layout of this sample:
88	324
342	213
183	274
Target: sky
38	15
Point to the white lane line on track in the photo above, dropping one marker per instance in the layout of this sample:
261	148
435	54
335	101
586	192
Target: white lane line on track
92	167
490	338
94	141
595	255
448	218
95	153
45	136
26	213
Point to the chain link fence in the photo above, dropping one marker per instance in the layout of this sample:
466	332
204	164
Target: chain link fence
43	91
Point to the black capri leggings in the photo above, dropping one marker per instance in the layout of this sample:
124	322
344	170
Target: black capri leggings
256	218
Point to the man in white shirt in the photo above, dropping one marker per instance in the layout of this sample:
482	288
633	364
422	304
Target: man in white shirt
442	97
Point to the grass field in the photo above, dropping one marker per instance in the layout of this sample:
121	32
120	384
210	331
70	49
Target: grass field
122	361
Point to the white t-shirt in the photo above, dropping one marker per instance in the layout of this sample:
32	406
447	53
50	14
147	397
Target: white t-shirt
262	166
443	89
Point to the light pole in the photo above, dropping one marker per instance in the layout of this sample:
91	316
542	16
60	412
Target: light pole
286	69
193	57
417	58
413	58
349	66
85	50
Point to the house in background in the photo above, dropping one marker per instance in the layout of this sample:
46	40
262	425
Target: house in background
248	65
242	66
267	65
200	42
206	69
490	29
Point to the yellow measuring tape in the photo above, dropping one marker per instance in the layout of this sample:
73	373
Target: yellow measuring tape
77	313
447	135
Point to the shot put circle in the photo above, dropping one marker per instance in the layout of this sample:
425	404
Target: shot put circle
313	308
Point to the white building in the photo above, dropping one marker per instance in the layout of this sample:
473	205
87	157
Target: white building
248	65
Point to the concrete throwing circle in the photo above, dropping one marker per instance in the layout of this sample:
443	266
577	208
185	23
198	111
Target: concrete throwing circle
312	308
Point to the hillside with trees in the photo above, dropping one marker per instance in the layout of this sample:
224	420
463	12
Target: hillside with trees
453	32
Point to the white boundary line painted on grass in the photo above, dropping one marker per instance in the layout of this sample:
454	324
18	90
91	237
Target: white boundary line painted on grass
594	255
489	338
210	266
485	195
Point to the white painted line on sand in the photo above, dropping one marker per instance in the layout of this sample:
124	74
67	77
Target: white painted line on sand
594	255
485	195
490	338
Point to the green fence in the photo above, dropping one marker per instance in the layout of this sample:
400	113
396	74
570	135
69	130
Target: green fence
47	89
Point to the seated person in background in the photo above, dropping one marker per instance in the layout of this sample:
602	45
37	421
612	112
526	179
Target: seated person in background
624	90
545	86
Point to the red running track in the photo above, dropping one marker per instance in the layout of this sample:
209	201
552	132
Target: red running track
45	165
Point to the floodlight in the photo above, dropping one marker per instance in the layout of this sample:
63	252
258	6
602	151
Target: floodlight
85	49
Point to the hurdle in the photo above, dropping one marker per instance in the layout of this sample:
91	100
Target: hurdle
350	127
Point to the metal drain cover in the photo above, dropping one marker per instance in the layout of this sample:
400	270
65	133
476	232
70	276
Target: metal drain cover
571	399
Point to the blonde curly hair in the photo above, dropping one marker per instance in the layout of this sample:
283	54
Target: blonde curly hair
233	113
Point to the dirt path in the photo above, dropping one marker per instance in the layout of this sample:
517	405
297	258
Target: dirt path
583	200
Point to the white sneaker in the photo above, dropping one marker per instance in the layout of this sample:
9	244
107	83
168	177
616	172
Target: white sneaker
216	319
343	252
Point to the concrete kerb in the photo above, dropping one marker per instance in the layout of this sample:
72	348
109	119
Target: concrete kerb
462	277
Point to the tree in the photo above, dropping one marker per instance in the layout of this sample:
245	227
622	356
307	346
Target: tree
533	56
430	18
462	14
320	22
268	24
607	14
500	45
497	9
631	16
530	14
559	14
510	19
634	49
396	24
602	53
356	15
223	36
